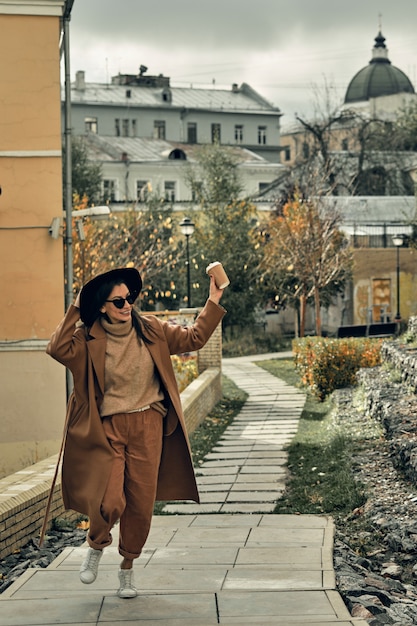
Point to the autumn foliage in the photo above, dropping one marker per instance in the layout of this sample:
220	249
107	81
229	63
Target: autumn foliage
305	254
328	364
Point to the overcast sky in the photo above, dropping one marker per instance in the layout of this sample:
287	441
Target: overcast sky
285	49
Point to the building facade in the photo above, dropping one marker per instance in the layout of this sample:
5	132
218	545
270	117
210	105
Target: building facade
31	262
149	107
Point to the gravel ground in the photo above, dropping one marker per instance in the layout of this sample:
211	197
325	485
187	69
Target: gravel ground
375	551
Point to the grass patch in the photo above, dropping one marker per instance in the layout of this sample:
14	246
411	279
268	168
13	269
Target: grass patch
320	478
211	429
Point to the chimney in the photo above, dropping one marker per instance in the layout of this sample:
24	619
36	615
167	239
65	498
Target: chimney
235	88
80	80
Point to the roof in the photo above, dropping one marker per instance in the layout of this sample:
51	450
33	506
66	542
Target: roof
378	78
237	99
373	209
140	149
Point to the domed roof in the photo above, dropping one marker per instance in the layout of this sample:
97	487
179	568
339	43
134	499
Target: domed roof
378	78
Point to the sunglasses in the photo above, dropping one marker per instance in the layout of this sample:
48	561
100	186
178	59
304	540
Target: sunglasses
120	302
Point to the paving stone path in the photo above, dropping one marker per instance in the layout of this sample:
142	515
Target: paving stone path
242	566
246	470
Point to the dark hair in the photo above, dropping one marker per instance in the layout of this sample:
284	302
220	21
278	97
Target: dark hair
140	325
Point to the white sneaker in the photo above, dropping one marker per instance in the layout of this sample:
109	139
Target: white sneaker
126	589
89	567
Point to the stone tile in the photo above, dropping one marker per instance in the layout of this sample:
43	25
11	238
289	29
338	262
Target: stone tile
268	479
211	536
281	604
192	508
292	555
186	608
267	579
212	471
228	521
55	611
258	469
180	557
243	507
221	454
221	462
295	521
210	497
252	496
221	488
252	486
216	479
269	535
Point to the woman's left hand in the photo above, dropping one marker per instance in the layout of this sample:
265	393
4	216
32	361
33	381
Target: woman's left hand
215	293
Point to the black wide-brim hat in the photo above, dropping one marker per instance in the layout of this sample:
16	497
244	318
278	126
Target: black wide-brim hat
89	302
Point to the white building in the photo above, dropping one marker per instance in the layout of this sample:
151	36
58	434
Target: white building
149	107
132	167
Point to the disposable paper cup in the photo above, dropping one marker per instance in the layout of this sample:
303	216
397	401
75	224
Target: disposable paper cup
216	269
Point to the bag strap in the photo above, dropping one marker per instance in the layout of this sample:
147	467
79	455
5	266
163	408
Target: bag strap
51	490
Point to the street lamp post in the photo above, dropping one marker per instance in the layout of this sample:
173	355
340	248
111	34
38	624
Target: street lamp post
96	212
398	241
187	228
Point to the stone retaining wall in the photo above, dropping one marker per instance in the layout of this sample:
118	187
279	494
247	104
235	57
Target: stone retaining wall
394	404
23	495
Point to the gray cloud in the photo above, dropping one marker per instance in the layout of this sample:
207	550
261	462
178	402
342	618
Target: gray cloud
280	47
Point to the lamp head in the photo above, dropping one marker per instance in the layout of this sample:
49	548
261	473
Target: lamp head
187	226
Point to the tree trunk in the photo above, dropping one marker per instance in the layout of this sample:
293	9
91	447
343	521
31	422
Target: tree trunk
317	311
303	306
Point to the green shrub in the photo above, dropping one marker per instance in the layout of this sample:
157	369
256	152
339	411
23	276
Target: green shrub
248	341
328	364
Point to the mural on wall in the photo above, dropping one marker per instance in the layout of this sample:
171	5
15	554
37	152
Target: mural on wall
373	301
361	302
381	300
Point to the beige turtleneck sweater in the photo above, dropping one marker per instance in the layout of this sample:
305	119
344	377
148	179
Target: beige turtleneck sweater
130	379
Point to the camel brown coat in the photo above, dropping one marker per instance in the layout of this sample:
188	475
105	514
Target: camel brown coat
87	454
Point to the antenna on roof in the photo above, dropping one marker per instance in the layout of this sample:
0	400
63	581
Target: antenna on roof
380	22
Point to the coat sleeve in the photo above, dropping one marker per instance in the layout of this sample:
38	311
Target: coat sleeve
67	343
189	338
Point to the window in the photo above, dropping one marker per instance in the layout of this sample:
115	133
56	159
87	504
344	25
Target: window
134	128
215	133
117	127
192	132
263	186
109	190
126	128
159	129
287	153
169	189
90	125
238	133
345	144
306	150
262	135
143	189
196	191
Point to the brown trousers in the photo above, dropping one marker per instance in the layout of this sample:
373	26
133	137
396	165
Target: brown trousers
136	439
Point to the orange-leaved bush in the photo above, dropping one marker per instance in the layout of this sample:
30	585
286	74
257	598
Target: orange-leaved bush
327	364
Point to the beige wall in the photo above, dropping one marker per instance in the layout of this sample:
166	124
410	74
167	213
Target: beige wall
31	262
381	263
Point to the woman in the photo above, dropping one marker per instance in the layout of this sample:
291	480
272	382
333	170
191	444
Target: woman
126	442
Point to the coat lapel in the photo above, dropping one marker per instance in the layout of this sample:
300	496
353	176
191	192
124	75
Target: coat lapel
96	346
